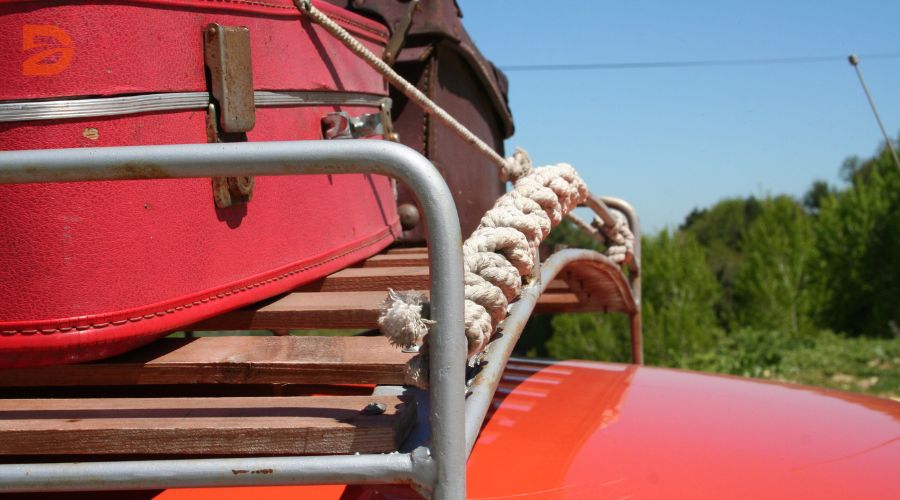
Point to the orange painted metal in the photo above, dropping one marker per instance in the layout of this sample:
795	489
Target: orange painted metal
581	430
589	430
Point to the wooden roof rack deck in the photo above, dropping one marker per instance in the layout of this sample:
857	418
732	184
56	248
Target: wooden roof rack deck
59	424
300	408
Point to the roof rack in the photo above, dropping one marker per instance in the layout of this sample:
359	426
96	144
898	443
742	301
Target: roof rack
290	437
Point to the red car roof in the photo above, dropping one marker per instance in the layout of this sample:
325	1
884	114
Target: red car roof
582	430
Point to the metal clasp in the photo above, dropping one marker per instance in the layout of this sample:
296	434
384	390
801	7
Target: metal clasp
232	110
227	54
227	191
340	125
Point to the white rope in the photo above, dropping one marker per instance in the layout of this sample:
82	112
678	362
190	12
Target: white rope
620	242
499	257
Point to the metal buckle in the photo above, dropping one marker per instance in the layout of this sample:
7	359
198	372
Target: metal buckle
340	125
232	110
227	54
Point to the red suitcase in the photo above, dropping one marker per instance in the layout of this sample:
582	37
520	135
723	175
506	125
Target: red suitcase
90	270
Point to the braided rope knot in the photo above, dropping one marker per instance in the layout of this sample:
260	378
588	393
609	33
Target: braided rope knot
620	244
500	255
516	166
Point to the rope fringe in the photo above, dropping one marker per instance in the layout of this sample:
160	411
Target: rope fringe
401	318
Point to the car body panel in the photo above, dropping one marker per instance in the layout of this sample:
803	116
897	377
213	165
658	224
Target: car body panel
596	430
580	430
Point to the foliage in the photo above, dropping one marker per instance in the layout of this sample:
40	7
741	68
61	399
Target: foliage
772	285
822	359
847	363
746	352
720	231
567	234
858	244
803	291
679	292
817	193
590	336
678	297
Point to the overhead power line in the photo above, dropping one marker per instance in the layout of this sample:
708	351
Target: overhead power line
695	64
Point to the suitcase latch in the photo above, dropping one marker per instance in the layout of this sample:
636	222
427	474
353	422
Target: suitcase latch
232	108
340	125
227	54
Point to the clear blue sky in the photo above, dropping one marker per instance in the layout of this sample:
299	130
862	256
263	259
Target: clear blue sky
671	139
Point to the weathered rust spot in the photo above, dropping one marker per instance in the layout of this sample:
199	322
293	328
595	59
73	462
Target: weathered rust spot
142	170
91	133
237	472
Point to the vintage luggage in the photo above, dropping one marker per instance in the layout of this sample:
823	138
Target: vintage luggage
439	57
90	270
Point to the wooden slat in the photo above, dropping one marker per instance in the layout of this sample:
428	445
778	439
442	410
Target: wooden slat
339	310
602	285
372	279
307	310
395	260
206	426
232	360
557	286
381	278
409	250
352	298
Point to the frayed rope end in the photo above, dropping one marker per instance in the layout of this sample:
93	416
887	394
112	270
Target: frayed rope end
401	318
417	371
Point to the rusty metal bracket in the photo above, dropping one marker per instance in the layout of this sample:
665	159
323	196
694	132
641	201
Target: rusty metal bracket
227	191
232	110
395	44
227	54
387	123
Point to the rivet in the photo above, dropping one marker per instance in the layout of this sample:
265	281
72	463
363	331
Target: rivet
374	409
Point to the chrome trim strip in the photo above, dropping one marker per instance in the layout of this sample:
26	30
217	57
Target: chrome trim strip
300	98
20	111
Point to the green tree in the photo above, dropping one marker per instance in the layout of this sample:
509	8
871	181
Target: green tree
679	292
678	296
590	336
858	245
772	287
720	230
818	191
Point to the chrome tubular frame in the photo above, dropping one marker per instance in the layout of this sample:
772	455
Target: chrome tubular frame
498	352
438	470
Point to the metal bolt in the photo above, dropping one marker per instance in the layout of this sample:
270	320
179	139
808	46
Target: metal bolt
374	409
409	216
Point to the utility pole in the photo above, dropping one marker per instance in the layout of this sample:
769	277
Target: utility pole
854	61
